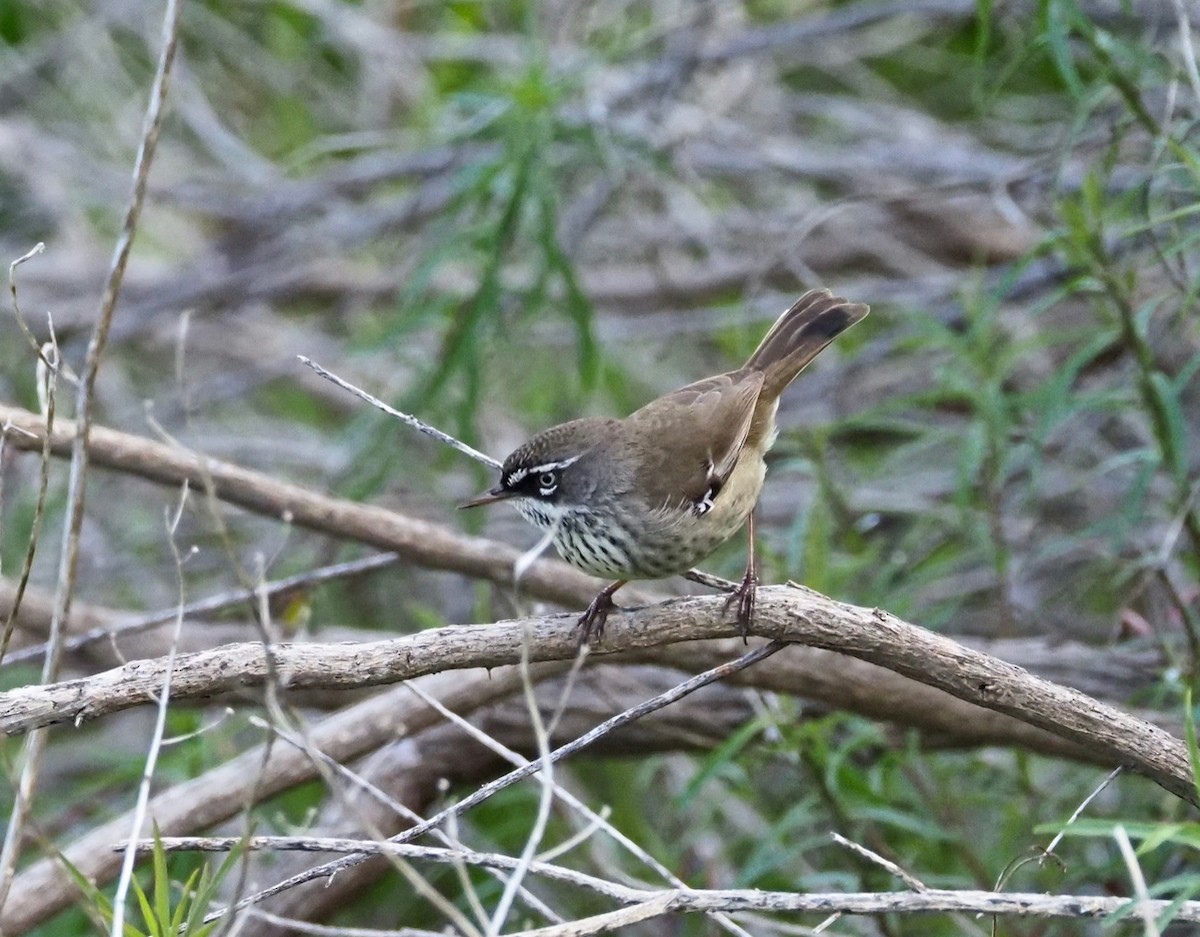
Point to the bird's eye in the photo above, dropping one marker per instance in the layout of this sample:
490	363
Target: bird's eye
547	482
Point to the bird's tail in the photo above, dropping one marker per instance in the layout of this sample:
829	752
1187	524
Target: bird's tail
799	335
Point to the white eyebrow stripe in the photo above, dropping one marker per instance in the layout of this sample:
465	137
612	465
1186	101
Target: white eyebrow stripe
552	466
514	477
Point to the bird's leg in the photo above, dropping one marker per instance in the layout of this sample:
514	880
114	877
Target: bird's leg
744	594
592	620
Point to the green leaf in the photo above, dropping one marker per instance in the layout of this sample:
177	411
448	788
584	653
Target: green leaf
1057	36
181	906
724	753
1173	431
206	892
153	923
102	905
162	882
1189	716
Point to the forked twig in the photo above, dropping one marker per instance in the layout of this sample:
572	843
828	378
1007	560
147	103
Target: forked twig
160	726
632	714
47	368
35	745
214	603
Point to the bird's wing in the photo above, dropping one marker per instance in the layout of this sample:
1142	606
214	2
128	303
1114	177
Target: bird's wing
702	428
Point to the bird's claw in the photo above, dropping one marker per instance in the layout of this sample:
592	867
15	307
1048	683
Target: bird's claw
591	622
744	595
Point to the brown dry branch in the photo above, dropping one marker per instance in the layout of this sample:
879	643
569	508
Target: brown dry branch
935	900
417	541
416	771
785	613
830	681
546	758
45	887
840	682
99	640
34	749
917	901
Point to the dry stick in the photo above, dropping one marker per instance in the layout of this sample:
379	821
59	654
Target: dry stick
1078	811
160	725
281	714
222	792
595	820
213	603
49	363
607	888
417	541
886	864
1109	734
77	483
336	930
609	725
873	857
545	800
401	810
382	797
414	422
921	901
935	900
339	930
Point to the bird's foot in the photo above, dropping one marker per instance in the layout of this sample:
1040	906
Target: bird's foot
591	622
743	595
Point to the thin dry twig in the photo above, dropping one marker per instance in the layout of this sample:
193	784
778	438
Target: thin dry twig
401	810
340	930
1078	811
215	603
609	725
156	738
594	820
48	361
922	901
886	864
416	423
35	745
546	798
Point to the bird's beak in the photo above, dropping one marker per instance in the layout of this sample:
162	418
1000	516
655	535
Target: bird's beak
488	497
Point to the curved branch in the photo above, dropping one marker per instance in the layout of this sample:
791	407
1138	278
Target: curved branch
45	887
789	613
417	541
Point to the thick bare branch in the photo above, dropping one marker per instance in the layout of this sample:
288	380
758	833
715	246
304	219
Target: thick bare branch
787	613
45	887
415	540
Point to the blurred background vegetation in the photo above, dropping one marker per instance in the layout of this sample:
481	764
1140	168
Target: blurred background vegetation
502	215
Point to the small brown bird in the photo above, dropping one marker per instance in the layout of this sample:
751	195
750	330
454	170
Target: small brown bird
653	494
